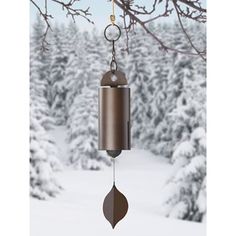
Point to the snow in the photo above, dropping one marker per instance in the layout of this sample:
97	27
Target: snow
185	149
198	133
168	103
60	139
77	210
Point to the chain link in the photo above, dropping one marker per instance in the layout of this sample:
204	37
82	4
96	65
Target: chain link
113	64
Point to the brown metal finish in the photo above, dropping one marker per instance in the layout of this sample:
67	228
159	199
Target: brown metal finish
114	128
120	79
115	206
114	118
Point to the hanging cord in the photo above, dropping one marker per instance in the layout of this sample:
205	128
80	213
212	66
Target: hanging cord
113	63
113	17
114	170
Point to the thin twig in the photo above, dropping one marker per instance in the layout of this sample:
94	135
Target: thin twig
72	12
186	34
143	25
191	4
167	12
46	18
189	9
70	9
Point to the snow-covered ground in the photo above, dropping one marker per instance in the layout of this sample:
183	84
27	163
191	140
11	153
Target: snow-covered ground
77	210
59	134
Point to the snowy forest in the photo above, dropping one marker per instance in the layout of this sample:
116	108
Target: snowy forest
168	110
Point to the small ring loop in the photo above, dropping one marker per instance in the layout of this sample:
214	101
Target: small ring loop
119	33
112	64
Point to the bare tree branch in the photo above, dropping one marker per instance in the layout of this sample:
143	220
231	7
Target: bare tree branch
126	6
69	8
72	11
190	14
143	9
201	54
192	5
126	32
46	18
134	14
167	12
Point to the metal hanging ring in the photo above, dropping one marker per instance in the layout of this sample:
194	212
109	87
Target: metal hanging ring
118	36
113	66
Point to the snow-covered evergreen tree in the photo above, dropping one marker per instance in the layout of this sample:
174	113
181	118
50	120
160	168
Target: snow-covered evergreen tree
82	121
43	160
73	83
167	106
138	77
185	135
181	108
184	195
159	66
201	202
57	74
43	152
83	134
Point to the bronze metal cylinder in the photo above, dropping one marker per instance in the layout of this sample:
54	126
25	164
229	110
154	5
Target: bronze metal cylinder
114	118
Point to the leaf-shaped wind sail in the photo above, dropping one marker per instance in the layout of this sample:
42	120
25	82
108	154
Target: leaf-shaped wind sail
115	206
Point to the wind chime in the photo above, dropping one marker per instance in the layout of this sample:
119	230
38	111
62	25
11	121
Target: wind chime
114	123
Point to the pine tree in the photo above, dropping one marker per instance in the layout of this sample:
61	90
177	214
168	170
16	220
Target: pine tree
159	66
184	193
185	136
181	73
138	76
57	74
82	121
43	160
83	133
43	152
167	102
73	83
201	202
